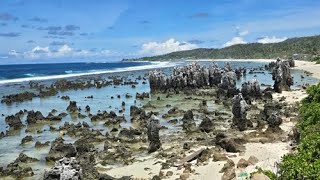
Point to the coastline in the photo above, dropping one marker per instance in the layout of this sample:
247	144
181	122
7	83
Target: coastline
308	66
268	154
234	60
146	166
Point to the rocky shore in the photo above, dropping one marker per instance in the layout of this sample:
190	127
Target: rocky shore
195	123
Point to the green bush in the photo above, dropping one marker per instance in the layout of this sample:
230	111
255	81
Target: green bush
316	59
268	173
305	162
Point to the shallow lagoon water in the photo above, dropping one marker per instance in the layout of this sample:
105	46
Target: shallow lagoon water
10	146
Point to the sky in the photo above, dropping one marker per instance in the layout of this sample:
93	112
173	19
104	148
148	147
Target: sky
50	31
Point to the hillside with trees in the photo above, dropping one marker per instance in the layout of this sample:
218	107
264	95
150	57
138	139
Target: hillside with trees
305	48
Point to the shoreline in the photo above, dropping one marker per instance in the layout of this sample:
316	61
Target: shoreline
268	151
308	66
269	154
234	60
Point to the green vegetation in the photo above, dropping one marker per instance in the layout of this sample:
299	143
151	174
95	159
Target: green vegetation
305	163
268	173
316	59
301	48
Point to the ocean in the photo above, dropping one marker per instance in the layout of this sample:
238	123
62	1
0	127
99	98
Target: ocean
29	72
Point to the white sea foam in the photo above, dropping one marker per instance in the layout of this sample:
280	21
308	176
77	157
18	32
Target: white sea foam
30	74
153	65
69	72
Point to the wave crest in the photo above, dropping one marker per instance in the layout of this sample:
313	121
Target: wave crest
153	65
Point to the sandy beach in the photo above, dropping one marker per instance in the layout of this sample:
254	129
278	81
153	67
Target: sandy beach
236	60
311	67
268	154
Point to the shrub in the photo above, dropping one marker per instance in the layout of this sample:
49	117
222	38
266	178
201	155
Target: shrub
305	162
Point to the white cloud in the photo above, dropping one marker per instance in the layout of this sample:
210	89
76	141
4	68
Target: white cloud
272	39
234	41
243	33
64	51
39	49
171	45
13	53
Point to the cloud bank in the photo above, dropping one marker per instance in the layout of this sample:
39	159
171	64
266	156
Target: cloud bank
171	45
273	39
234	41
62	52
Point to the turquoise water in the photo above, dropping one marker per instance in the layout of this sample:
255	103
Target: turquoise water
10	146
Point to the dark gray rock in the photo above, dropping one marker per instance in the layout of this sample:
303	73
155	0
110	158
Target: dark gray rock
64	169
251	89
184	78
59	150
153	134
33	117
72	107
282	76
23	158
206	125
14	121
239	111
274	121
188	123
26	139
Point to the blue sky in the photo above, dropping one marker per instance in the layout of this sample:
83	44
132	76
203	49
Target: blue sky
106	30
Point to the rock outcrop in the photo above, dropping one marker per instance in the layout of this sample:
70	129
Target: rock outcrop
229	144
33	117
59	150
282	76
153	134
18	97
14	121
188	123
272	114
190	76
72	107
206	125
239	111
251	89
65	169
227	86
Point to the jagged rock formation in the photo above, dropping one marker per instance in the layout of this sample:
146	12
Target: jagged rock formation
251	89
72	107
274	121
18	169
227	86
230	144
188	123
153	134
33	117
138	115
18	97
14	121
191	76
59	150
206	125
281	76
142	96
272	115
239	111
64	169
